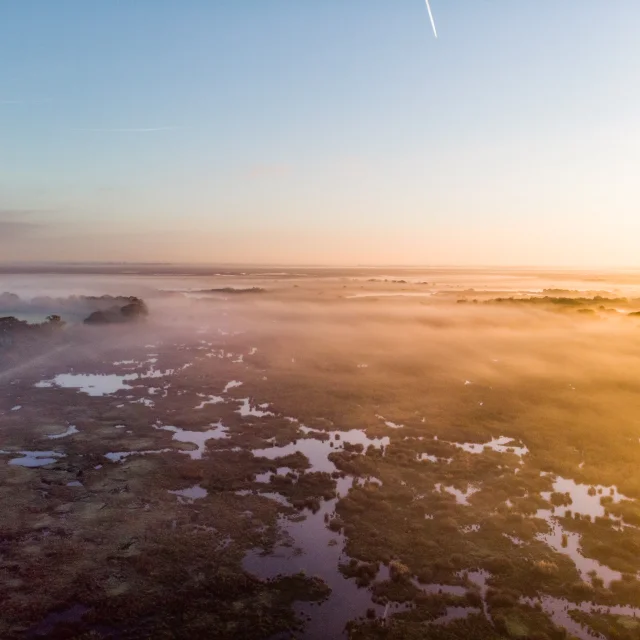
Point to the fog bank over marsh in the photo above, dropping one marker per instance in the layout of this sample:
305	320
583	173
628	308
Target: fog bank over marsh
437	463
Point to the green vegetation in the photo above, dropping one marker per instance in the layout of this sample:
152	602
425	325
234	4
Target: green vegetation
562	301
611	627
628	510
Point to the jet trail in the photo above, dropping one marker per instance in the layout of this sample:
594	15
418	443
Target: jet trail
433	24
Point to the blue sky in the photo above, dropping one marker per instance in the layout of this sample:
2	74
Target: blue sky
339	131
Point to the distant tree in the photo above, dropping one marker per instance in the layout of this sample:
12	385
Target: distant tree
55	320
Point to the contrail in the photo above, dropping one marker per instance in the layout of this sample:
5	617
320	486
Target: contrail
433	24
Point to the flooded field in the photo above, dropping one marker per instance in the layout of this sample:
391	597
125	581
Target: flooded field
326	454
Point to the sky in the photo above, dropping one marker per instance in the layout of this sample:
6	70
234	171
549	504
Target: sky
333	132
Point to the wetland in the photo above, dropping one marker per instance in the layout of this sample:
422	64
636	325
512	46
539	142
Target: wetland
345	454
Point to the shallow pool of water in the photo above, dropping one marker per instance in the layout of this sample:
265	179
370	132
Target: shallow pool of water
91	384
266	477
190	494
231	385
33	458
71	429
462	497
73	614
257	411
209	400
558	609
119	456
388	423
502	444
572	549
585	499
198	438
317	551
317	451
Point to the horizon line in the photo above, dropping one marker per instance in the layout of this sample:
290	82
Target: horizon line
310	265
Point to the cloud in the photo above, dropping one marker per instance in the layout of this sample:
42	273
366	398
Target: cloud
16	229
24	101
269	170
16	213
14	226
131	129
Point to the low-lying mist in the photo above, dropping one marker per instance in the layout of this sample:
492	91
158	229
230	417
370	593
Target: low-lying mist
396	441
